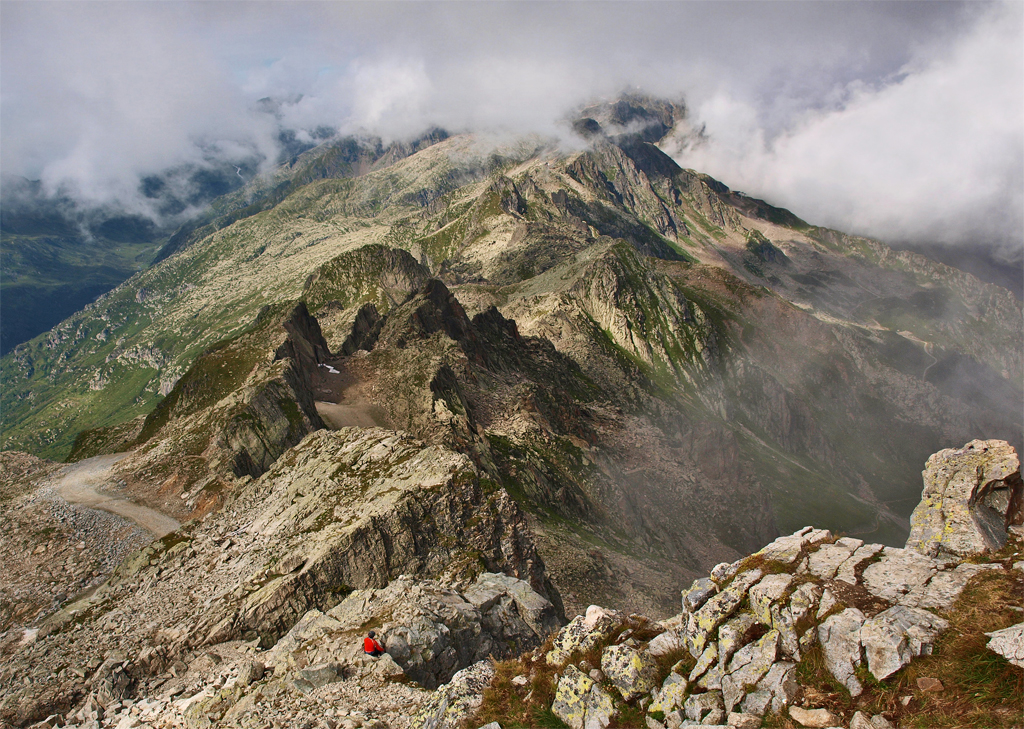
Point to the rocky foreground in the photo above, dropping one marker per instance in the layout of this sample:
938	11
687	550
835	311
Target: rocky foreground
227	622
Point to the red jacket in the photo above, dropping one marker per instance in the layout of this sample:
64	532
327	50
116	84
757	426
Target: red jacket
370	645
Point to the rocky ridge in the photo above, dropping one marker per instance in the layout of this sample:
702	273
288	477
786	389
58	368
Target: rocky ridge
349	510
249	617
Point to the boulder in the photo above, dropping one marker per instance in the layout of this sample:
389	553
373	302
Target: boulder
943	589
580	702
249	672
698	594
731	636
895	636
899	572
1009	643
789	548
582	634
840	642
634	672
671	697
701	624
707	659
449	706
848	570
774	692
313	677
956	514
724	571
597	616
828	601
814	718
744	721
767	591
311	627
152	660
536	610
712	679
748	666
706	708
666	643
824	563
112	681
795	616
861	720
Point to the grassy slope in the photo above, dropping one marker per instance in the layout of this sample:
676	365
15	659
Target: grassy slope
49	277
208	291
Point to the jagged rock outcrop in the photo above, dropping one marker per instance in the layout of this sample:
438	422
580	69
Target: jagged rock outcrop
868	610
970	496
242	403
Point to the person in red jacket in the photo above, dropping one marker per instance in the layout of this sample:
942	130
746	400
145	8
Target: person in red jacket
371	646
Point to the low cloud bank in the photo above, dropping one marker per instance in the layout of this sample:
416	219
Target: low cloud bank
934	153
898	120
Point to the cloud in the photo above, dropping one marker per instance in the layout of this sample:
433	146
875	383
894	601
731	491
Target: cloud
936	152
883	117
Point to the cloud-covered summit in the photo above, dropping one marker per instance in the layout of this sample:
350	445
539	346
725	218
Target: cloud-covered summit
900	120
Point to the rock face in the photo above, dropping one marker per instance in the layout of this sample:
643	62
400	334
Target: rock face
240	406
353	509
970	496
580	702
456	700
431	631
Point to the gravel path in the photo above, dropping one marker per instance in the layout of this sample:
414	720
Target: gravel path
80	483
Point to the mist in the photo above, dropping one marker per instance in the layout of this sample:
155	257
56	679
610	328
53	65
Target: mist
897	120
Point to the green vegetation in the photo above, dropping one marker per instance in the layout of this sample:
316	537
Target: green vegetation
111	439
528	706
980	687
51	274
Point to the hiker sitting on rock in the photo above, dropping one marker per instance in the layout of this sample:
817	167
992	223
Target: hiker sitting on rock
371	647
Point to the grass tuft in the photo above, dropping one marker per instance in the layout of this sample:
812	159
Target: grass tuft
980	688
520	706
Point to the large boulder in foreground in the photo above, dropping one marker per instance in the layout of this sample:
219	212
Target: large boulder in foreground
971	495
429	629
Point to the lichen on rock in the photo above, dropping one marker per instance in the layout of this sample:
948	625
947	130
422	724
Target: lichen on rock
961	487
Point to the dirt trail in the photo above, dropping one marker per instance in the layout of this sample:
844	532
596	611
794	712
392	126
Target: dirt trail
79	483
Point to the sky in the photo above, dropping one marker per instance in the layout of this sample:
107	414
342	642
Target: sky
904	121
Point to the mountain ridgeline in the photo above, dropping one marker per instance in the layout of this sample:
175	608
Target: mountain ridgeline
663	373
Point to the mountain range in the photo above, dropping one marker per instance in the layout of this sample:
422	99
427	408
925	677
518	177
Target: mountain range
663	373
